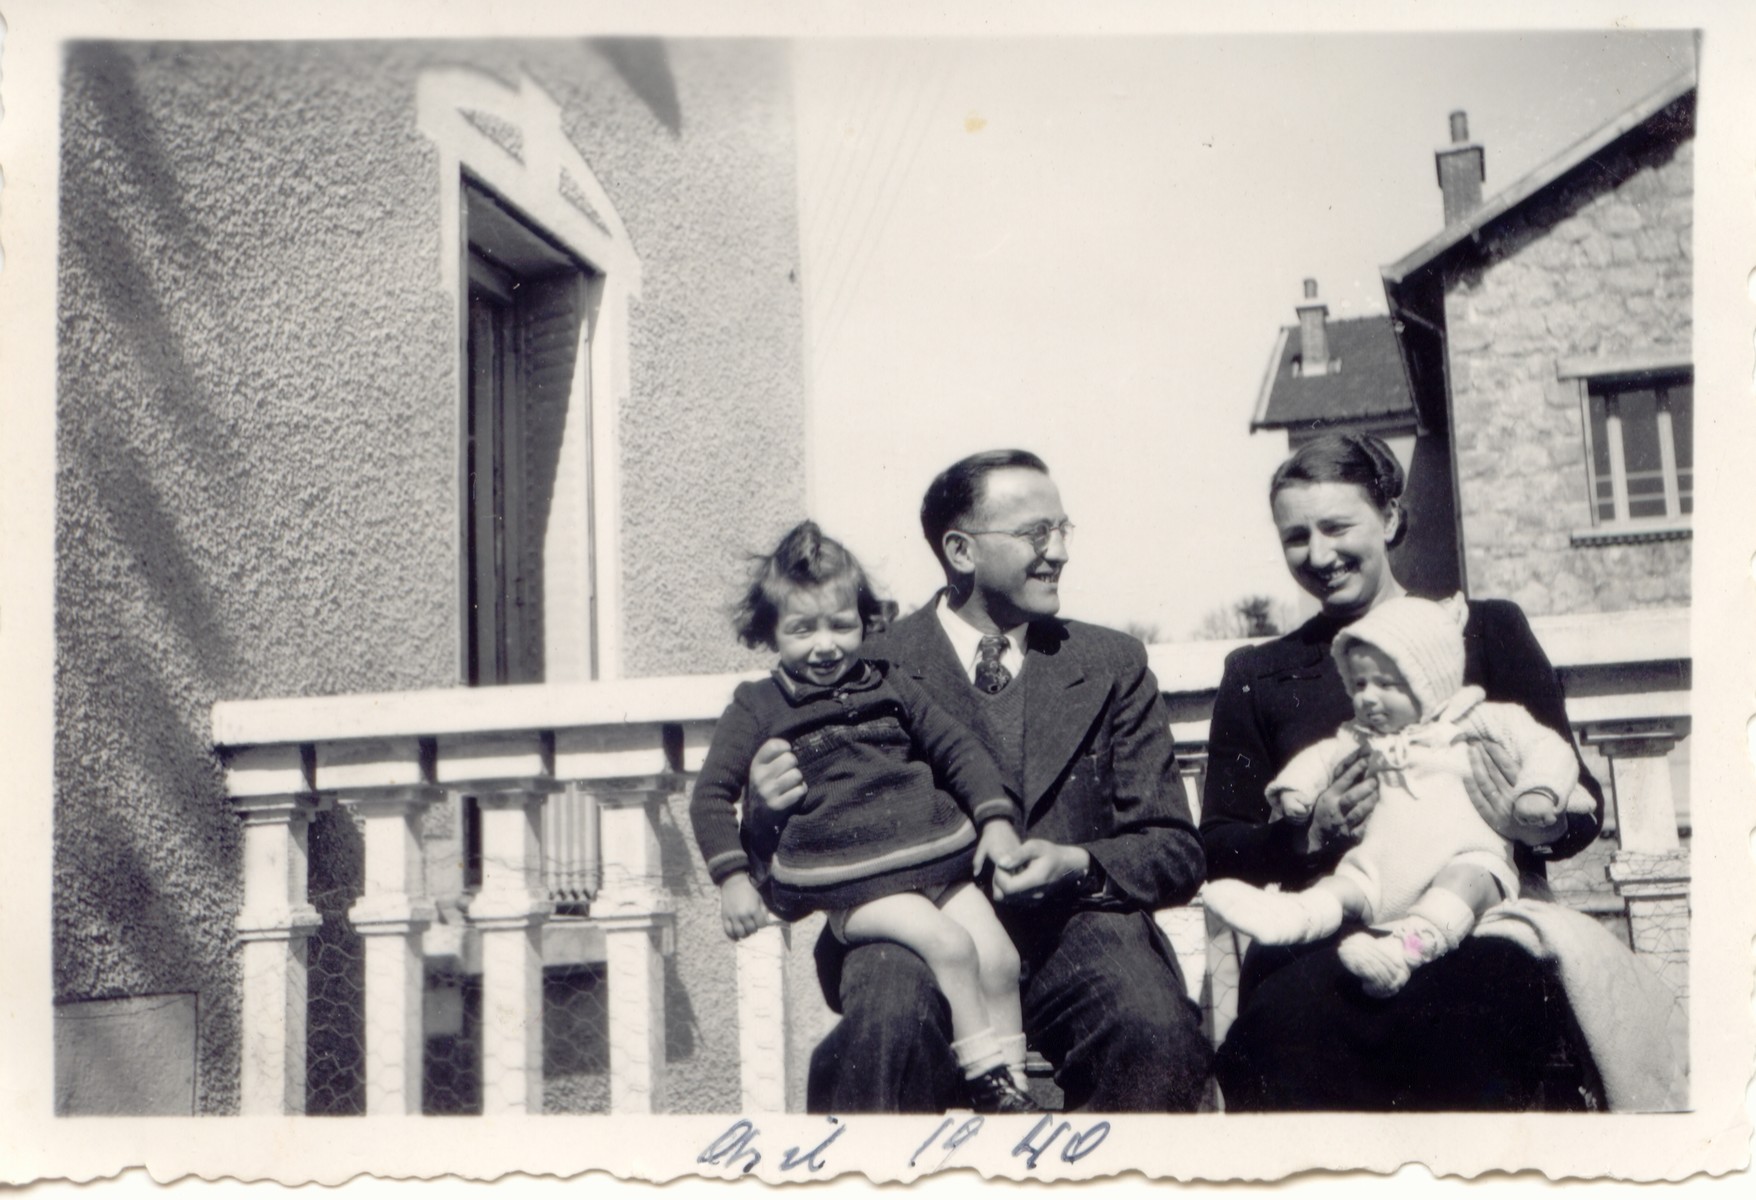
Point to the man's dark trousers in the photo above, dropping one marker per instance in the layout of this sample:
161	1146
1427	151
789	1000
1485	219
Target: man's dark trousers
1103	997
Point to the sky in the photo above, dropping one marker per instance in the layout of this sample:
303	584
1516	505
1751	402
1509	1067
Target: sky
1085	247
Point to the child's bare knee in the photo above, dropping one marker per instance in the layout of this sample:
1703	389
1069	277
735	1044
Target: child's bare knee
949	947
1000	967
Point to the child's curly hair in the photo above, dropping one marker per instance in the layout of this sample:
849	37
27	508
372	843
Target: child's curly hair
806	558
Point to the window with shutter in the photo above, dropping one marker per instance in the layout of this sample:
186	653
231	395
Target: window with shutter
1638	419
526	333
1640	434
543	274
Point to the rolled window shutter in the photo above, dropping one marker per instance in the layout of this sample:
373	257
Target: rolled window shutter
550	317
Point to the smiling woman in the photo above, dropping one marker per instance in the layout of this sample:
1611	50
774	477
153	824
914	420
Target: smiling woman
1481	1027
1338	508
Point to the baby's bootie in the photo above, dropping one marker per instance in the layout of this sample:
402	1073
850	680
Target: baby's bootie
1274	918
1384	957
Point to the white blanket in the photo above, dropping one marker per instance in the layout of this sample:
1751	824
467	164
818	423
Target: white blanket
1623	1009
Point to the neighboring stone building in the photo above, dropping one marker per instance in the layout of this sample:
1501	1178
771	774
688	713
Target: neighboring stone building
1552	323
1544	338
384	367
1543	403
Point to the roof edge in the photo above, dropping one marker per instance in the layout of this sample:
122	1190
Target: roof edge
1410	417
1267	390
1541	177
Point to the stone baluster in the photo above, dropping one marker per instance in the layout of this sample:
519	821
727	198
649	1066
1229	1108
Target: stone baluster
626	769
762	1021
1650	871
634	912
509	775
1192	769
271	791
384	786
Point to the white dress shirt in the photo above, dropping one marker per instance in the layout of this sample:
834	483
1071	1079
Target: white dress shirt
966	642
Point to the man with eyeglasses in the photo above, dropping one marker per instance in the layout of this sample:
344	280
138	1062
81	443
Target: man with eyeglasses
1073	716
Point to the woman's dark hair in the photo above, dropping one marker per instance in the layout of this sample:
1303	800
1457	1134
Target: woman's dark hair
805	559
957	492
1357	458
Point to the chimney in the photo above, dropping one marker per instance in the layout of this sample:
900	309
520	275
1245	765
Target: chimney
1313	333
1461	167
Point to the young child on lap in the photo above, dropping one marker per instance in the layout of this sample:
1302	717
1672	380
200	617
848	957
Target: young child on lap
1428	865
874	841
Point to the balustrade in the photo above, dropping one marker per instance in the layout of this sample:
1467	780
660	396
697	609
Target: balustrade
272	792
571	783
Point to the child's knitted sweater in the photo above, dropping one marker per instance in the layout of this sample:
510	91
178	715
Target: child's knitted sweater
875	752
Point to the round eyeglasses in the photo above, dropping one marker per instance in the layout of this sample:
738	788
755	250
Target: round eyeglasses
1037	535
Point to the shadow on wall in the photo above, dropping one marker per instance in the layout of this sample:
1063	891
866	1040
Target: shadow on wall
645	67
146	854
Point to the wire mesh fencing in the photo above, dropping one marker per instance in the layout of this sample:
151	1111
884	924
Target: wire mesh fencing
335	1048
575	990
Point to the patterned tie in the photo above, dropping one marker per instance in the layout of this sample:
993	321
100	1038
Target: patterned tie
991	674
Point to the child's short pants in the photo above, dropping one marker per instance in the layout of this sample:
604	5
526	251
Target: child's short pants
838	917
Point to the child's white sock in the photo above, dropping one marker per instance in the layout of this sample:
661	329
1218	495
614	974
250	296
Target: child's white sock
1275	918
1012	1052
978	1053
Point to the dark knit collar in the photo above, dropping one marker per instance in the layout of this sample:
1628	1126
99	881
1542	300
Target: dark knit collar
863	678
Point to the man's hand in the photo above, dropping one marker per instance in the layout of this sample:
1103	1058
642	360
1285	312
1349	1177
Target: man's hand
775	776
741	909
1492	784
998	841
1029	872
1341	809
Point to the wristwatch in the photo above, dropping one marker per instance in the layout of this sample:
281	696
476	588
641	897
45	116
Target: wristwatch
1092	882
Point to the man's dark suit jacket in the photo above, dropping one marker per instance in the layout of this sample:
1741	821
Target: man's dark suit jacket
1099	771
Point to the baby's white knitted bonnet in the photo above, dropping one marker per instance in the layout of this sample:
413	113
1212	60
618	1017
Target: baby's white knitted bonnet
1423	638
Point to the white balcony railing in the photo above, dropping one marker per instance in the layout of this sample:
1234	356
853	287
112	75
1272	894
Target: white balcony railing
569	780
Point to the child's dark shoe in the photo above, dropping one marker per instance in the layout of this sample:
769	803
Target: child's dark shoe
995	1092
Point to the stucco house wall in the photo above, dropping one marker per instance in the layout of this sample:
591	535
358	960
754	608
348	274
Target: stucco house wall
1597	265
257	455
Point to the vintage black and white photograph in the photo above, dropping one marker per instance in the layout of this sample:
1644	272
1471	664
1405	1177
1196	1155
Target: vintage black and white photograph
830	598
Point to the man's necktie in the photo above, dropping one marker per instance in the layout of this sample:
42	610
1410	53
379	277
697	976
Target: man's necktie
991	674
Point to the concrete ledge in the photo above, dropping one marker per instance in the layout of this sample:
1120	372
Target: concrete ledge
460	710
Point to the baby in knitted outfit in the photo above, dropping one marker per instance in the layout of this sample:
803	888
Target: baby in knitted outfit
1427	865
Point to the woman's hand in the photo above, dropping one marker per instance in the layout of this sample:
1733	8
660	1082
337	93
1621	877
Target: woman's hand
1492	784
1341	809
998	841
1537	808
775	776
741	909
